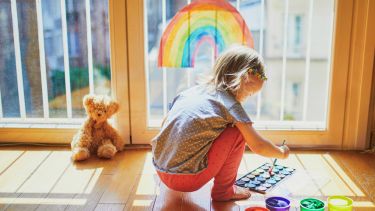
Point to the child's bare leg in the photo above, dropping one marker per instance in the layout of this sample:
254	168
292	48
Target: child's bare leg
241	193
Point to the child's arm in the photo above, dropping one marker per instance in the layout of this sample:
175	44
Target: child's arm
260	145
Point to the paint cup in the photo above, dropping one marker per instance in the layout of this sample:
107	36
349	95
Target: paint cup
311	204
277	203
340	203
256	209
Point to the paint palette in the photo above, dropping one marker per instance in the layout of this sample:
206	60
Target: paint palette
259	180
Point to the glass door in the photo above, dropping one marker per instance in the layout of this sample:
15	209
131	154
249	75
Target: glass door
53	52
302	101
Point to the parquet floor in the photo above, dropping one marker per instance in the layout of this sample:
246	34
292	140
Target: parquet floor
43	178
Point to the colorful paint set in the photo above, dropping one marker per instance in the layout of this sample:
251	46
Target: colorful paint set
340	203
311	204
260	180
274	203
278	203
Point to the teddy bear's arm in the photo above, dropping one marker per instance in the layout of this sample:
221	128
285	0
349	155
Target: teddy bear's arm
82	141
113	135
84	136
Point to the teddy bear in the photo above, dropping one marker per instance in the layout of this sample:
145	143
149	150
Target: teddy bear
96	135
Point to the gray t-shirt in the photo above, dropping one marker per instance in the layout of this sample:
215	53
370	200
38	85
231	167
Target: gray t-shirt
197	117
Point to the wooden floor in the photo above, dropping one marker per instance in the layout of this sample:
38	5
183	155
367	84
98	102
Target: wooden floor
37	178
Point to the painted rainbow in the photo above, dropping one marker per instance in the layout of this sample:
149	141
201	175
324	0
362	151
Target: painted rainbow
213	21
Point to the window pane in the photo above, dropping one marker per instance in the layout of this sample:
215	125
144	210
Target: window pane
54	57
78	57
252	14
273	57
155	85
8	75
29	44
322	27
101	46
295	70
176	78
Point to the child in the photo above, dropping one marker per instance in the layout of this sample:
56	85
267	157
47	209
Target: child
204	133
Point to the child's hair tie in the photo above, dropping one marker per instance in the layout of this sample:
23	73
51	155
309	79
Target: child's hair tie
259	74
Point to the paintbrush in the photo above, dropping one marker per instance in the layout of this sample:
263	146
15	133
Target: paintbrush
274	162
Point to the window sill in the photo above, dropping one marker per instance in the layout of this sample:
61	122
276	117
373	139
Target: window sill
34	130
40	125
27	132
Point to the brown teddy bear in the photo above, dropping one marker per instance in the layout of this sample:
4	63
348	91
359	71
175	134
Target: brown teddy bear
96	134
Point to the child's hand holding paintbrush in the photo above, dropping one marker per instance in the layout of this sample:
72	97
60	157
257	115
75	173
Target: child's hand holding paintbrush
285	150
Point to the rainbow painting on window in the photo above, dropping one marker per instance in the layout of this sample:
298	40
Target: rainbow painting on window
213	21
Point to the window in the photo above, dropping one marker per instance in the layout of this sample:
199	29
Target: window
53	53
294	37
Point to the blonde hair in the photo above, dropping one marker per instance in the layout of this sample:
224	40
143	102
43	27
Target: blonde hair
232	67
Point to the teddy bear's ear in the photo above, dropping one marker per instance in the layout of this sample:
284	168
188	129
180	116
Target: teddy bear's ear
88	100
113	107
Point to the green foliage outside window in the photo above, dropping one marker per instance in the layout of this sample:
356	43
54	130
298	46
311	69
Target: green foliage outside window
79	78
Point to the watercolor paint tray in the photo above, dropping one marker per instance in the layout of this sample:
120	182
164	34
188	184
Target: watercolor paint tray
259	180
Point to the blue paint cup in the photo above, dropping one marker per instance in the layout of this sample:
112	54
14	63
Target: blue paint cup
277	203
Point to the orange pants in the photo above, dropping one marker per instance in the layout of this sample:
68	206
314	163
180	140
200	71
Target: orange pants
224	158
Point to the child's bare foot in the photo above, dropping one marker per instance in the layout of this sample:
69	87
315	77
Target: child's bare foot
241	193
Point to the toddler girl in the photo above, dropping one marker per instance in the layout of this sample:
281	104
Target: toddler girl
205	132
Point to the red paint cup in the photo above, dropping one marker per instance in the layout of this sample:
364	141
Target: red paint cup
256	209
